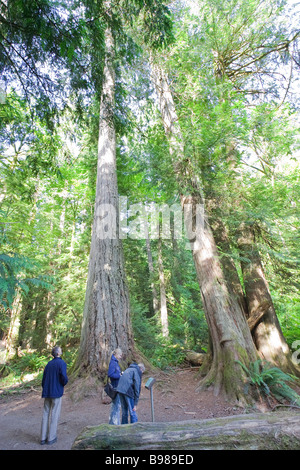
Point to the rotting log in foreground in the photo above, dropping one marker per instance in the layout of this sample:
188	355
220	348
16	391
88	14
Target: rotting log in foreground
268	431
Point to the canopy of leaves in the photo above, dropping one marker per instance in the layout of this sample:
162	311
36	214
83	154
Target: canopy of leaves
227	64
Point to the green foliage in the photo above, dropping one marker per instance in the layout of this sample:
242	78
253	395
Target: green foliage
238	137
288	313
160	351
13	268
30	362
43	212
41	52
270	381
168	354
145	329
187	322
21	370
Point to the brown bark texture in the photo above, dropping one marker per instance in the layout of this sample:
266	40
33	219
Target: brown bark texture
268	431
106	319
230	336
262	318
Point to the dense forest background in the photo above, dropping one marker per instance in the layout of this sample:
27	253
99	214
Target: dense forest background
232	69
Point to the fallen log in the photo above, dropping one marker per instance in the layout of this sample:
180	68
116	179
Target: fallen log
268	431
194	358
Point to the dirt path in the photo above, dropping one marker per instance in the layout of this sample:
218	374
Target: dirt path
175	399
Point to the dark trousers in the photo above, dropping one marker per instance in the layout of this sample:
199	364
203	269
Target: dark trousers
127	404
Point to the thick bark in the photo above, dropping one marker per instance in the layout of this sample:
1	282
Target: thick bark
262	320
268	431
106	319
229	268
230	336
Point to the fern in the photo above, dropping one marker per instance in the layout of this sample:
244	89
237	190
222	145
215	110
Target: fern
270	380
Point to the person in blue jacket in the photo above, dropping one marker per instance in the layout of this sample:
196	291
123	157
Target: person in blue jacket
129	389
114	373
54	380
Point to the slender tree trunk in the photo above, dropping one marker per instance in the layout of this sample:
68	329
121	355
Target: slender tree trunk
163	295
230	336
71	250
262	320
106	319
14	327
155	301
62	220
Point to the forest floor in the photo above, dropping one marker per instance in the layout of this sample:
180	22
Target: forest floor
174	394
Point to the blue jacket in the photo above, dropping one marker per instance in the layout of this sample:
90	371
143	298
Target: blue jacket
114	371
54	378
130	382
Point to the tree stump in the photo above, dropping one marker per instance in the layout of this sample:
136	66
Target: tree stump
268	431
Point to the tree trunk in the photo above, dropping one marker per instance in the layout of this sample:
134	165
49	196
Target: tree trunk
106	319
230	336
229	268
262	320
163	295
14	326
155	301
268	431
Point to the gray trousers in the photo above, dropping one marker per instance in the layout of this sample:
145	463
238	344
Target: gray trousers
51	413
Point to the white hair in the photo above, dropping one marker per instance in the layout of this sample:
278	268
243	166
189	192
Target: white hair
117	352
56	351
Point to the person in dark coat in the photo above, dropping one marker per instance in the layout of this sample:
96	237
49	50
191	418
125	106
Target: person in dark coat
129	389
114	374
54	380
